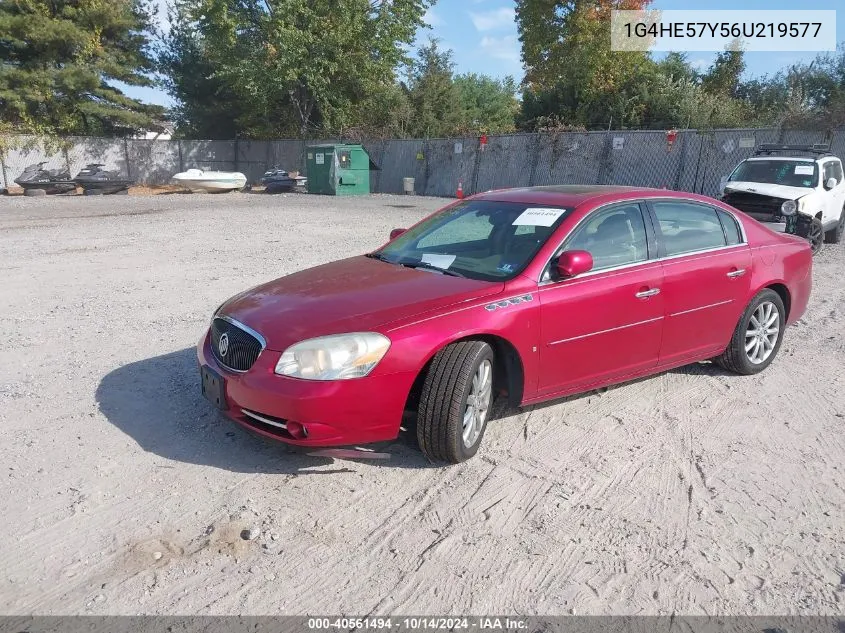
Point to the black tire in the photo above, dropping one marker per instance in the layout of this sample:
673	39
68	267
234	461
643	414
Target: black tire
834	235
735	358
815	235
443	401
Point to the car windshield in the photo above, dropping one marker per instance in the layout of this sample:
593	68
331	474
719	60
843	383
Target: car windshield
792	173
479	239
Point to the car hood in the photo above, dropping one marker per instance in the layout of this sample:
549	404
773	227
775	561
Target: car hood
350	295
766	189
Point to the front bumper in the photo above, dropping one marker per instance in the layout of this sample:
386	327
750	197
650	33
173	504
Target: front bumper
333	413
798	224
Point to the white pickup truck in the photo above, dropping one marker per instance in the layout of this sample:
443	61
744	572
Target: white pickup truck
784	187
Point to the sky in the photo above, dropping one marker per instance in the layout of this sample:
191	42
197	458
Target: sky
482	34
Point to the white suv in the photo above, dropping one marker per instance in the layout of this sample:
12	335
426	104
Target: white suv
803	195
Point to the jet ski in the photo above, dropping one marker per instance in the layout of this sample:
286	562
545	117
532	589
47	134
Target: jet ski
95	180
277	180
199	180
48	180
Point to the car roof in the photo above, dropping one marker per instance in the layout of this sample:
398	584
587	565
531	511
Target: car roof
574	195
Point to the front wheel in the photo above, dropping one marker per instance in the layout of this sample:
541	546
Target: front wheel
757	337
815	235
455	401
834	235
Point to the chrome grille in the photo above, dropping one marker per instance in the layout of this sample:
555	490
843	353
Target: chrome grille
241	347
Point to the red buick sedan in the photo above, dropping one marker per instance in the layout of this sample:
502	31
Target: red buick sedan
527	294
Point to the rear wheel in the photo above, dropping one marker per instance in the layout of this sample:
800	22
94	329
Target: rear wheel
834	235
757	337
455	401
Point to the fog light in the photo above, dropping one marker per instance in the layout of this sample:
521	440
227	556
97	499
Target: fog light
297	431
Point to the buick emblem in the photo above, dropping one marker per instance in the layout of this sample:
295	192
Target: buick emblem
223	345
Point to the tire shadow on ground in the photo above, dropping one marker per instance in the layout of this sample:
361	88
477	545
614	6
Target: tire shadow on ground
157	401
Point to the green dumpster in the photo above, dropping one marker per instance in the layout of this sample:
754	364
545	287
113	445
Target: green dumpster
338	170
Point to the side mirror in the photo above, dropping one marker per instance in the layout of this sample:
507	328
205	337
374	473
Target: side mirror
396	233
830	183
572	263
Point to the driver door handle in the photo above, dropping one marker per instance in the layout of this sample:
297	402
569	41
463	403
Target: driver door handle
644	294
736	273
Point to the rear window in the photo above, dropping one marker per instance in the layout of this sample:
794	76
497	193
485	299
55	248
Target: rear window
687	227
729	223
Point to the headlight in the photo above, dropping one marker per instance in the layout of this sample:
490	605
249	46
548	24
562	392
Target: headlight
790	207
334	357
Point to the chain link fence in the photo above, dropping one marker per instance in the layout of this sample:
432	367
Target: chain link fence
695	161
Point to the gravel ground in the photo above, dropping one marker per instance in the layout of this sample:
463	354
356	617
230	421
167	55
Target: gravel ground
122	492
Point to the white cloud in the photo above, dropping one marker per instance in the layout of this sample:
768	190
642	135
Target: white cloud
700	64
495	20
431	18
505	48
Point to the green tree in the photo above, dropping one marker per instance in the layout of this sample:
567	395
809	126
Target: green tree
676	67
486	104
60	59
306	64
432	92
824	84
571	72
207	106
725	75
443	104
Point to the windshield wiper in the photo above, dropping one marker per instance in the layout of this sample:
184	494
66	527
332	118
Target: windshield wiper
379	257
427	266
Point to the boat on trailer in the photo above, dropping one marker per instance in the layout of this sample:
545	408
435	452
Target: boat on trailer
199	180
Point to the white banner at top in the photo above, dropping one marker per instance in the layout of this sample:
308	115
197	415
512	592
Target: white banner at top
719	30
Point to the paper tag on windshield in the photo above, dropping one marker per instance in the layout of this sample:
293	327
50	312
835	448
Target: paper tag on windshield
804	170
436	259
538	216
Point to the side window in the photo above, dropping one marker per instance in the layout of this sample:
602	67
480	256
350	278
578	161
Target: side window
688	227
732	232
470	227
614	237
827	172
836	170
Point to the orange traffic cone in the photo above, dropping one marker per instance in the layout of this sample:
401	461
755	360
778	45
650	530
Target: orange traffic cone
460	192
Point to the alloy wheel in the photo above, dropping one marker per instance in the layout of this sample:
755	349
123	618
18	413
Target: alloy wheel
478	403
761	335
